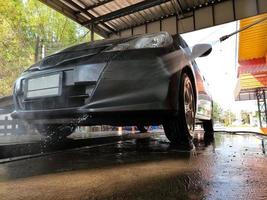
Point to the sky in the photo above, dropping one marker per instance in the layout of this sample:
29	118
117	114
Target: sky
220	67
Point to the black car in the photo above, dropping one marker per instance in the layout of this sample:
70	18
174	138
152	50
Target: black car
139	80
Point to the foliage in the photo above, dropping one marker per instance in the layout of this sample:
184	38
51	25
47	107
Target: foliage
228	117
217	112
21	23
15	47
223	116
245	117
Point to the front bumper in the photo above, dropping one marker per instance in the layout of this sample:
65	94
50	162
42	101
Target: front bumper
81	116
129	84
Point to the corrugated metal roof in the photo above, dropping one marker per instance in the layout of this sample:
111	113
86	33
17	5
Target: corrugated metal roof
111	17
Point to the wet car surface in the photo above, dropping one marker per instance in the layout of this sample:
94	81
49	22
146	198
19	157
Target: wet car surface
144	80
231	167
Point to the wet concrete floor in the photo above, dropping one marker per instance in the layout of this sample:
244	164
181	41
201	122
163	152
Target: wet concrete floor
17	151
230	167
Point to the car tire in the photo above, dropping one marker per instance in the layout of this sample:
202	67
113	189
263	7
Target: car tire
208	128
56	131
180	130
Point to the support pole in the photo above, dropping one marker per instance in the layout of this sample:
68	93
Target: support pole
264	103
259	110
43	50
262	107
36	54
92	32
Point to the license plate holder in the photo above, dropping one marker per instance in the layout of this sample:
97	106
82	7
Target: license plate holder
48	85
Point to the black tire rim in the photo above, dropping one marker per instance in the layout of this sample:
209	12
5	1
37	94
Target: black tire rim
189	105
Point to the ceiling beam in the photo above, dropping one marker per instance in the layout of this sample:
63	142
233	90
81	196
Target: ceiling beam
78	7
181	15
126	11
180	5
68	12
94	6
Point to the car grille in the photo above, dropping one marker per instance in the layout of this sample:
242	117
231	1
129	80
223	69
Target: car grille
72	96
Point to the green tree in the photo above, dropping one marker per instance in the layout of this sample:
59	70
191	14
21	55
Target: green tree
15	47
217	112
228	117
245	117
21	23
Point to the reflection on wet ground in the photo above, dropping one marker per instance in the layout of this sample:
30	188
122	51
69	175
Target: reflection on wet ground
231	167
16	151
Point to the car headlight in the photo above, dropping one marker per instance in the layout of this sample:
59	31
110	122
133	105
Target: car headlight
156	40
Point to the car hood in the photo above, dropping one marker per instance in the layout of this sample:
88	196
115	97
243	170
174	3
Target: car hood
75	52
64	57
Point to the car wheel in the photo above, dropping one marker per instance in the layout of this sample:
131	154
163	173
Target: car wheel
208	128
56	131
180	130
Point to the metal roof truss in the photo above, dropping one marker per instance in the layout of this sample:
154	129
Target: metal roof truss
115	18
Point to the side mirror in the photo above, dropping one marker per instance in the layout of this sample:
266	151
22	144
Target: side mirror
201	50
